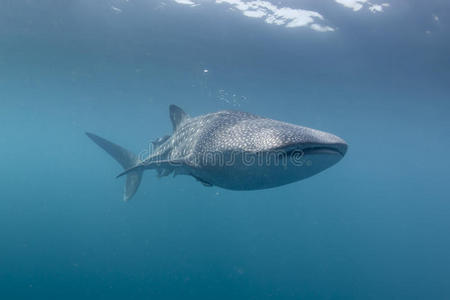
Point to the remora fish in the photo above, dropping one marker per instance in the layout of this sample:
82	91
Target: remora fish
233	150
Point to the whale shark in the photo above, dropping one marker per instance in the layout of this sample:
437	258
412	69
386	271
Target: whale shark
230	149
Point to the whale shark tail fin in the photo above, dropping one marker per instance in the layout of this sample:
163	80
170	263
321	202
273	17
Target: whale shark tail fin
126	159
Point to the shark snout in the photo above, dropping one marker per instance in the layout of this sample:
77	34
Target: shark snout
326	143
341	147
336	143
330	149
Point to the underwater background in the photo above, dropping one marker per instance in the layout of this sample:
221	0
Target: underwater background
375	226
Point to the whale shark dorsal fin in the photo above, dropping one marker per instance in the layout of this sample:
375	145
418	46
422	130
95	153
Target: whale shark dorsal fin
177	116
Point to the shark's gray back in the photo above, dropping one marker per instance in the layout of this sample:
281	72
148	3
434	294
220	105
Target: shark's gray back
230	131
204	134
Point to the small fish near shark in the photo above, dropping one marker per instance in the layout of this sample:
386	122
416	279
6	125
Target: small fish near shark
231	149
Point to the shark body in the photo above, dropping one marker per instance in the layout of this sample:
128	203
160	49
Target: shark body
233	150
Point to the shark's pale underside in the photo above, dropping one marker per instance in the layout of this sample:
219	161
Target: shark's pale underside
231	149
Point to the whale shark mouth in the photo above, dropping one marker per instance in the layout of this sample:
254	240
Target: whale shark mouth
330	150
322	150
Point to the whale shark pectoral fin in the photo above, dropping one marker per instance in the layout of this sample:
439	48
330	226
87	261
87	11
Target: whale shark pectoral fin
205	183
177	116
161	172
156	164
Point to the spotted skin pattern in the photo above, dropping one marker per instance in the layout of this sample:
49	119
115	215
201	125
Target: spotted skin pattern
216	149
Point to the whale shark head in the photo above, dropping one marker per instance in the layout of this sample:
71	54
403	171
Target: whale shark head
275	153
266	136
306	151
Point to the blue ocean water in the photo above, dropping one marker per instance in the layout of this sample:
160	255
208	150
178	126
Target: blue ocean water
375	226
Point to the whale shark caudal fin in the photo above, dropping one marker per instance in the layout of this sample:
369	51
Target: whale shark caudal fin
126	159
